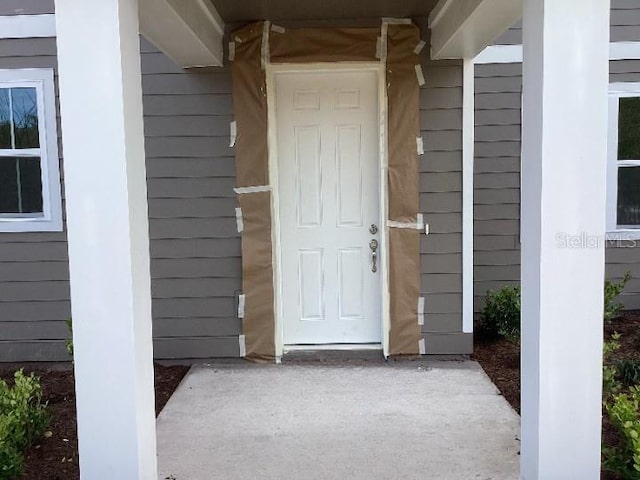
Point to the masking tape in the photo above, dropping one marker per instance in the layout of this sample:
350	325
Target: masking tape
396	21
239	221
264	51
243	346
277	29
420	145
233	133
420	75
422	347
421	311
243	190
241	303
419	47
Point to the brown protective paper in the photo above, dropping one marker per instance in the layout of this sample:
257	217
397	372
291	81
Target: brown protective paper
307	45
258	323
252	169
404	123
404	285
250	107
404	244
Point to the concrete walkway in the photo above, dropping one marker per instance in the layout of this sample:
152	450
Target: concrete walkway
401	420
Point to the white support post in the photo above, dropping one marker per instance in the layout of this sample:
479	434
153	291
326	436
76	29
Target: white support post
566	52
468	153
104	165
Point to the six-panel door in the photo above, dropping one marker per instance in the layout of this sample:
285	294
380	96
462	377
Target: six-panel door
328	137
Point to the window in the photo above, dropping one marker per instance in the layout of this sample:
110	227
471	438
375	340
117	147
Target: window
623	178
29	166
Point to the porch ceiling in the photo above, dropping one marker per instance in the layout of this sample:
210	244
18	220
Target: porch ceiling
233	11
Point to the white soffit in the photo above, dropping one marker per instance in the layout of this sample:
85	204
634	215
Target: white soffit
188	31
464	29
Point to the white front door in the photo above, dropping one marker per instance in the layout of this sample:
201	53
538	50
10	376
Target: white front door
328	140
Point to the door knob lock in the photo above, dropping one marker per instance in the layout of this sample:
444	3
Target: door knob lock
373	245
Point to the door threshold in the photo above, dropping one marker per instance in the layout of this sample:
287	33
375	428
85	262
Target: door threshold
333	347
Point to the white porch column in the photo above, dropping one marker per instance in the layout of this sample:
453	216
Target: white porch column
563	222
104	166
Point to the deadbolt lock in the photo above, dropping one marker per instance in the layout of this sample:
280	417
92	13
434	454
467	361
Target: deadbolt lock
373	229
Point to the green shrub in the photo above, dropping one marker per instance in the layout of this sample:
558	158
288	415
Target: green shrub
68	343
501	312
611	291
624	459
610	382
23	419
628	371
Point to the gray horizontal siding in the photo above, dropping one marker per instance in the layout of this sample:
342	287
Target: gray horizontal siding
26	7
34	272
195	247
441	203
497	183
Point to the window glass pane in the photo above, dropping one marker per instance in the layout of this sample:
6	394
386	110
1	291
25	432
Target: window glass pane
5	119
25	117
629	129
20	185
629	196
8	185
30	185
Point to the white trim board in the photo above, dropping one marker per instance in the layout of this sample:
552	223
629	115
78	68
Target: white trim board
28	26
468	152
513	53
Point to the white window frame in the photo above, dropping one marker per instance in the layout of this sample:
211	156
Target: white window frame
51	219
616	92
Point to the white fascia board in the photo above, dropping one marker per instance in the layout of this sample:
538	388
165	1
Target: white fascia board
28	26
190	33
464	30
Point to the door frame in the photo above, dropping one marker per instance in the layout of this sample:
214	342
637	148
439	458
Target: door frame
271	71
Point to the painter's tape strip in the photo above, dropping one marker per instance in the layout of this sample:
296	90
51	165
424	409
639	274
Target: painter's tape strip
277	29
421	311
396	21
264	51
420	145
379	47
420	75
422	347
239	221
419	47
418	225
243	346
233	133
241	304
384	33
232	51
258	189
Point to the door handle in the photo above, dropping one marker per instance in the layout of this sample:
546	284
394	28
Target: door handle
373	245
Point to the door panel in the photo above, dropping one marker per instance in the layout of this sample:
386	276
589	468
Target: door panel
327	133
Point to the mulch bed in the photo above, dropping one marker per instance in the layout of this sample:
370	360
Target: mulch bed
500	359
56	457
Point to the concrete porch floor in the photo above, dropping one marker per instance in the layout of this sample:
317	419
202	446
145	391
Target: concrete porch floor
350	420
